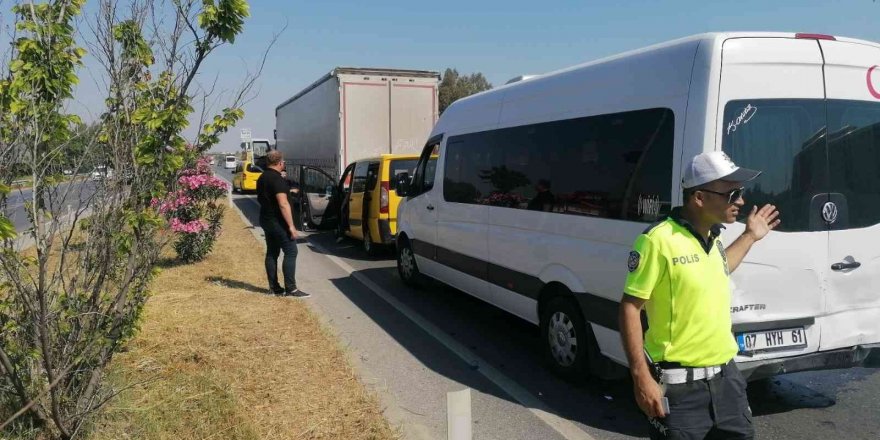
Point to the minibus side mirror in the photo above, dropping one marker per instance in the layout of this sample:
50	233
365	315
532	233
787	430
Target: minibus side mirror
402	188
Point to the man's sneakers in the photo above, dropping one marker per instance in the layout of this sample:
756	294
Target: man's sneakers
296	293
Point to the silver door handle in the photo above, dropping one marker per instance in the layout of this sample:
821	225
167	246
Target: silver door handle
845	266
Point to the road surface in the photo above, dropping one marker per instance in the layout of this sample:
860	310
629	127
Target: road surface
78	194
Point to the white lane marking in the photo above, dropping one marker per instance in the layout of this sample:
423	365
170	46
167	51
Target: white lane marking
458	415
564	427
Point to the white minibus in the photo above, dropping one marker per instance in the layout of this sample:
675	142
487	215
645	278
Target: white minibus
529	196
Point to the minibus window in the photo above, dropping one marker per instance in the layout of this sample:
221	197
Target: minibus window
785	138
616	166
854	158
423	179
470	173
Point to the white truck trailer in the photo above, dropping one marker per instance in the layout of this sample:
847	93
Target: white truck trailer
356	113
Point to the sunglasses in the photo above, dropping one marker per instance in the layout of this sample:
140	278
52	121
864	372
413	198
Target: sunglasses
732	195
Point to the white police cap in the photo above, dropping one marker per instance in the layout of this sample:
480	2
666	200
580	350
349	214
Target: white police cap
714	165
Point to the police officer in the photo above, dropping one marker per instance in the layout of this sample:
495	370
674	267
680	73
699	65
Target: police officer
684	377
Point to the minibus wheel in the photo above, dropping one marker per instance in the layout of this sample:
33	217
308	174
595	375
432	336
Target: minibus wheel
567	340
406	263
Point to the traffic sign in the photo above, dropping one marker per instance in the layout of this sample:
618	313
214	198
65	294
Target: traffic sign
245	134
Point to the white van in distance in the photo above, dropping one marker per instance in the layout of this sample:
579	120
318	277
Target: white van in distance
230	162
530	196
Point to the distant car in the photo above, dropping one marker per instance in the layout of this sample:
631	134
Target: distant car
212	160
230	162
101	172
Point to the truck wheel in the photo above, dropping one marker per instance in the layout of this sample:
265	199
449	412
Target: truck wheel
569	344
406	264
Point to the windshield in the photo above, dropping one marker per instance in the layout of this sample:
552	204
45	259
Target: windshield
807	150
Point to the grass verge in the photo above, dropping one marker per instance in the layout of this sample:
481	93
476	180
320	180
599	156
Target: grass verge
218	358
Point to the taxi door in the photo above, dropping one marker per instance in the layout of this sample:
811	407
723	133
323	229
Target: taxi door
356	200
317	189
236	178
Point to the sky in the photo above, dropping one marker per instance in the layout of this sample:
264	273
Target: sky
501	39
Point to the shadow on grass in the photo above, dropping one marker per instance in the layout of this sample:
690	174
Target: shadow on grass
169	262
235	284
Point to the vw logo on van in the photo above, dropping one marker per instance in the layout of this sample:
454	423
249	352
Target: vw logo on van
829	212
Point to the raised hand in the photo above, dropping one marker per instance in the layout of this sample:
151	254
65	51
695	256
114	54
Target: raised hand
761	221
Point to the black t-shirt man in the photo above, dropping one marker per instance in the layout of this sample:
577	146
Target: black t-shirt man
269	185
273	192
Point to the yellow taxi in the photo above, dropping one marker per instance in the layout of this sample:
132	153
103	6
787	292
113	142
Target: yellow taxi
245	176
369	201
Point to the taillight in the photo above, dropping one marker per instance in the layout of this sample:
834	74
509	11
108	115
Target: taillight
383	198
815	37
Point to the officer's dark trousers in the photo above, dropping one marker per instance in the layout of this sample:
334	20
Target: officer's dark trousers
715	409
277	240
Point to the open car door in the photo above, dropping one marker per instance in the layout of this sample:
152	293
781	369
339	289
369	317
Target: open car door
318	189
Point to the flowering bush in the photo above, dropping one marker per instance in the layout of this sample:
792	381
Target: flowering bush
193	212
193	227
508	200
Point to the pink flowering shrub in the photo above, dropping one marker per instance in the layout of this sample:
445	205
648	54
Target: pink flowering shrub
193	212
509	200
193	227
203	166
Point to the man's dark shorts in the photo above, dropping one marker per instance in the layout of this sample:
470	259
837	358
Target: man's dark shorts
713	409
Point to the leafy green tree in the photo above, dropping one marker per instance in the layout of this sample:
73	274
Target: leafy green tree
454	86
75	153
74	298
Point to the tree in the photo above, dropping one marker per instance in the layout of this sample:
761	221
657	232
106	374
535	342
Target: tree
454	86
73	299
74	155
